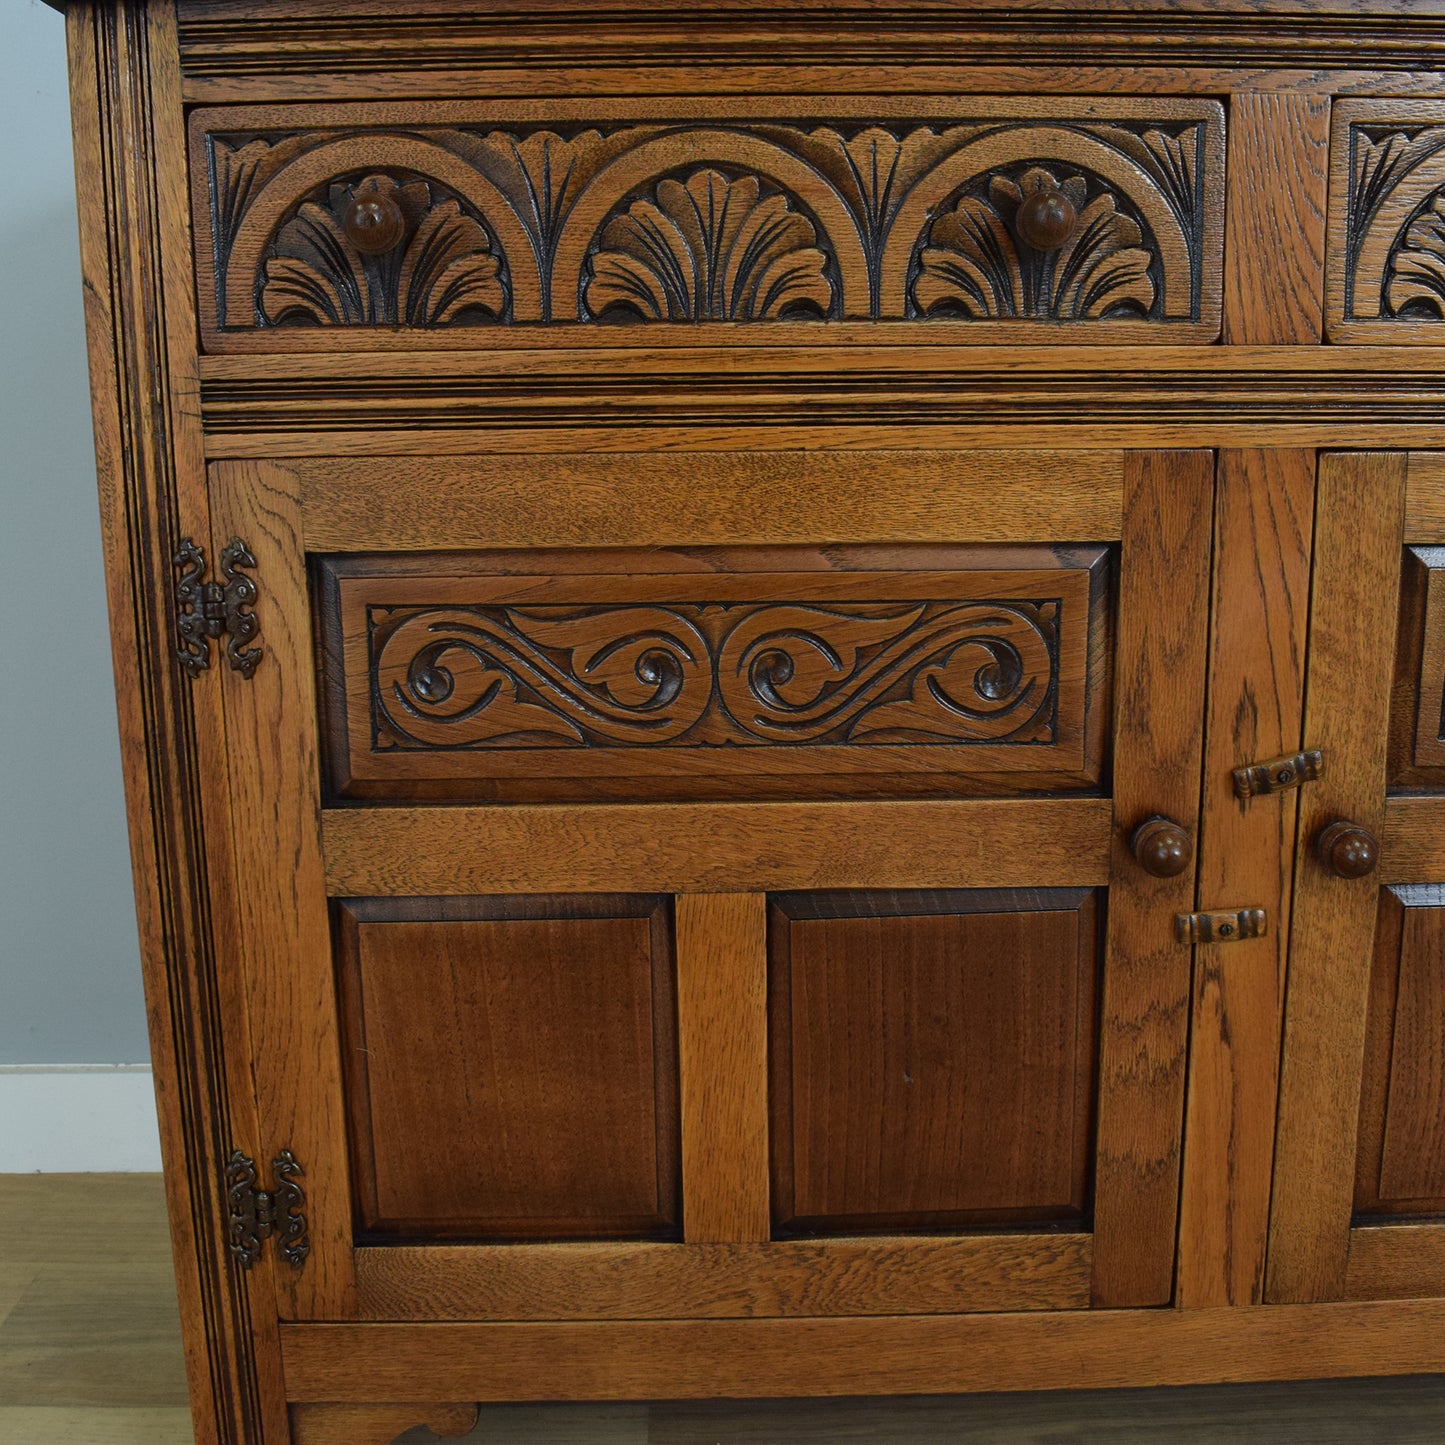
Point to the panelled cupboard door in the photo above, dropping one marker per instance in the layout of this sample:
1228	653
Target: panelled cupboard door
714	886
1359	1192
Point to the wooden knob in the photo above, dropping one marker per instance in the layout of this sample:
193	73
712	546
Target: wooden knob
1348	850
373	223
1162	847
1046	219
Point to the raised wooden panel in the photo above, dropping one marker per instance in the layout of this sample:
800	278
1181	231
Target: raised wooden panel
462	221
764	672
1401	1161
932	1057
511	1066
1386	270
1417	713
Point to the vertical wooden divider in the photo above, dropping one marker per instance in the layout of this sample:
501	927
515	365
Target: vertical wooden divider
1159	709
722	1011
1264	511
1276	182
280	883
1359	539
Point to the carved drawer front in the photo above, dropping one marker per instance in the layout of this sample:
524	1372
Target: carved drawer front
1386	279
460	224
511	1065
932	1058
715	672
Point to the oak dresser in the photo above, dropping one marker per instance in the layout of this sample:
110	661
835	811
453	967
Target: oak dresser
782	673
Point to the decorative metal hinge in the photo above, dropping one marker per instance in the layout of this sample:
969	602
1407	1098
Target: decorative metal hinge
1279	774
1228	927
255	1214
206	610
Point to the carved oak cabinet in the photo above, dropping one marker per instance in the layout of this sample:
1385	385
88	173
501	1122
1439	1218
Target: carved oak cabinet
783	681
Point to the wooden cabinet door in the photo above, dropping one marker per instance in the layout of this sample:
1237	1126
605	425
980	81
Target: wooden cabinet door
701	885
1359	1185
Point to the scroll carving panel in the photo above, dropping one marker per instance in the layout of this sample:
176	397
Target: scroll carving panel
801	674
843	216
1387	218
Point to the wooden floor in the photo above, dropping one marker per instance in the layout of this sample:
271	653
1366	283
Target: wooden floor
89	1355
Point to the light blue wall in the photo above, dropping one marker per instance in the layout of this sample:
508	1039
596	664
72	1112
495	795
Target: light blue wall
70	989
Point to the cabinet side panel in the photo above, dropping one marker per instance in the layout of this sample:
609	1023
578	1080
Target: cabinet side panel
125	95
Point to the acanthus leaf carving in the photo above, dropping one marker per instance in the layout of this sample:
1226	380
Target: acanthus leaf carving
1415	274
710	249
444	273
975	265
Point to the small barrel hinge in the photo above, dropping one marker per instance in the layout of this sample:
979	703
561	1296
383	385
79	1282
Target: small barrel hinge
1221	927
1279	774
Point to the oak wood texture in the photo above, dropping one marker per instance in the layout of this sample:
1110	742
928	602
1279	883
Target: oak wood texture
1417	707
1264	516
1414	840
511	1066
848	395
788	1278
692	1359
377	1424
723	1056
279	886
802	497
764	223
1396	1261
718	847
1400	1168
851	672
932	1058
1359	524
1274	230
1387	175
1144	1015
1425	499
140	333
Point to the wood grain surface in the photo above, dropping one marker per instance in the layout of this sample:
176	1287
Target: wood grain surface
1274	232
1158	752
879	1275
722	1045
1359	525
1260	606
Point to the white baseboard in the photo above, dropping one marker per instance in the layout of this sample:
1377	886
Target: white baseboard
77	1119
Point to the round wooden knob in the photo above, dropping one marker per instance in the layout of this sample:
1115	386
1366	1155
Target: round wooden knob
1347	850
1162	847
1046	219
373	223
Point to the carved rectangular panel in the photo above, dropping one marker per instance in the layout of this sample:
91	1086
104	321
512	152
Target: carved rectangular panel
932	1058
1081	219
511	1066
1401	1166
1386	264
1417	715
758	672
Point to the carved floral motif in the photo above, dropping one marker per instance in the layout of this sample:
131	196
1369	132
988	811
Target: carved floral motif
710	249
976	265
767	221
1415	277
444	273
714	674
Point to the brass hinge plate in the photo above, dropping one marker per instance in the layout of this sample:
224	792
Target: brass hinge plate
1279	774
1222	927
211	610
257	1214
